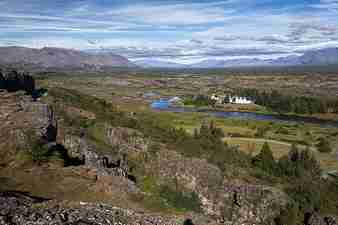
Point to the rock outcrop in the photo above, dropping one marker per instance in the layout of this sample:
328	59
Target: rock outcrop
230	201
20	209
111	170
2	81
14	81
22	118
316	219
244	203
126	139
43	119
106	164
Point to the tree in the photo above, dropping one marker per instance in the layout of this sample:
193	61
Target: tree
324	145
309	162
294	153
265	159
299	164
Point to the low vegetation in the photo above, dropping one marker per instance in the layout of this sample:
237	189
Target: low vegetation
283	103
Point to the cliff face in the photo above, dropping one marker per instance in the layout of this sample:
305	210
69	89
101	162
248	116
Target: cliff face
13	81
21	117
230	201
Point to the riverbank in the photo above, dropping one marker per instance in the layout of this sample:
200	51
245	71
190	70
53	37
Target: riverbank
164	105
253	108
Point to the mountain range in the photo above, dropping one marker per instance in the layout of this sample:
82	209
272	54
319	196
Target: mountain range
68	58
152	63
60	58
326	56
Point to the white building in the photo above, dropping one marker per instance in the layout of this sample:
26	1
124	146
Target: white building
221	99
239	100
217	98
175	100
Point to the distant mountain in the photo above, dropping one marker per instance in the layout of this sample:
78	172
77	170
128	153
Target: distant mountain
326	56
60	58
230	63
320	57
151	63
67	58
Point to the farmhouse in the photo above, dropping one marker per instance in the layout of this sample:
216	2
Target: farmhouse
239	100
221	99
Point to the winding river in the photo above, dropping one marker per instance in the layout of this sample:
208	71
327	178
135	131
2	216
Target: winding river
165	105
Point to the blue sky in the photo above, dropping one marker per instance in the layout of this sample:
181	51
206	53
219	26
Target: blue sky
177	31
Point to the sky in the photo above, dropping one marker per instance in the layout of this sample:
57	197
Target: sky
176	31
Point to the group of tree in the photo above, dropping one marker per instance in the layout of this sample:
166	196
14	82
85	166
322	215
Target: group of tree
15	81
199	100
297	163
283	103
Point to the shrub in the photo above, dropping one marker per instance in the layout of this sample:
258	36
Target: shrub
179	200
288	216
324	145
265	159
39	151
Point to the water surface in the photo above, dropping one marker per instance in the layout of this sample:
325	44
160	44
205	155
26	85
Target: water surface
164	105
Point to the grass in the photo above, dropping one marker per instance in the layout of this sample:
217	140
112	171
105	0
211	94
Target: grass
253	146
164	198
328	161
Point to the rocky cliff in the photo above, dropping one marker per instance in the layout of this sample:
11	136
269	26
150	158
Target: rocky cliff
22	118
14	81
230	201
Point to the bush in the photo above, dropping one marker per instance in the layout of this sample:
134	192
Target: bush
39	152
324	145
265	159
179	200
288	216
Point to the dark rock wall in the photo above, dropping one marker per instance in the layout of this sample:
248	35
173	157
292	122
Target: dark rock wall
15	81
2	81
106	164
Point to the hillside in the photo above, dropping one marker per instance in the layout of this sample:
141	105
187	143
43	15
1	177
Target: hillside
60	58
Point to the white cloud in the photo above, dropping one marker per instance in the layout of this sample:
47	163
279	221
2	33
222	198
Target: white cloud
327	4
171	31
174	14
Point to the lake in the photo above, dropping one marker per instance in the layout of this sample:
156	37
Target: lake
165	105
